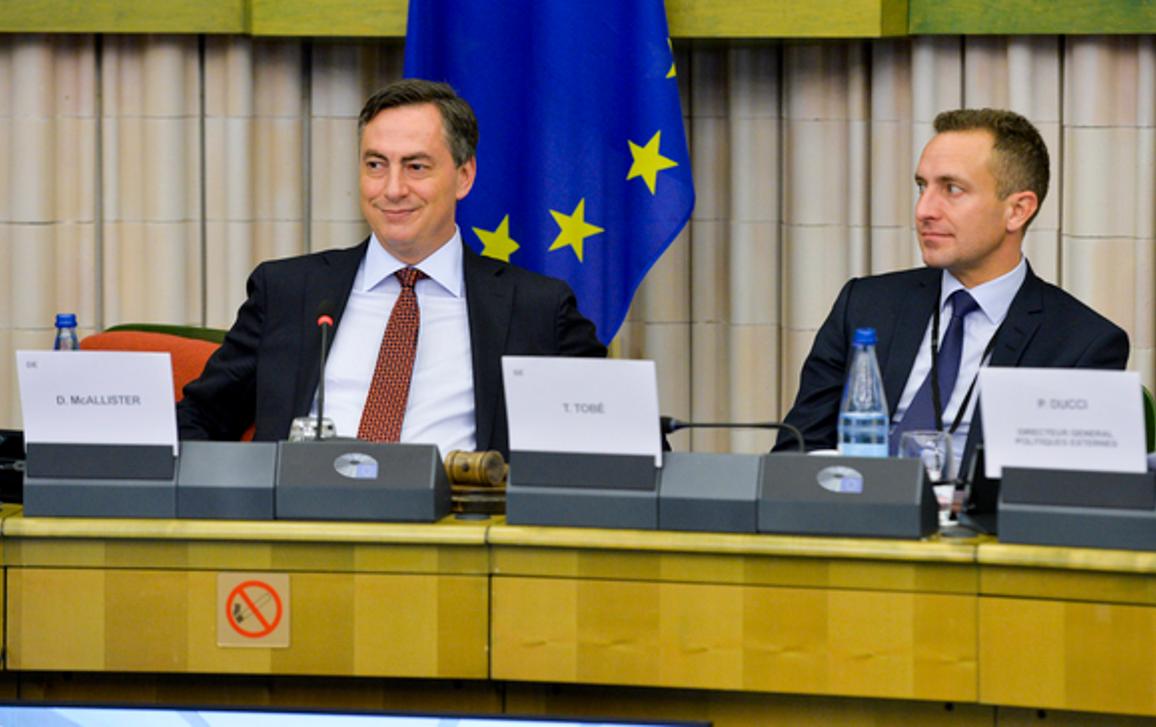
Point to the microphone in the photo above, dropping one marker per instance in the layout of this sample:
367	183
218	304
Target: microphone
325	323
670	425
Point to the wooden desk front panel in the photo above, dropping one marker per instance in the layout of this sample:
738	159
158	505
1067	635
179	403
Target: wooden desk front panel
1068	655
1068	628
452	547
366	599
816	641
731	612
770	560
166	621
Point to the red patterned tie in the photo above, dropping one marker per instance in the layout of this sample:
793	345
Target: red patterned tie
385	405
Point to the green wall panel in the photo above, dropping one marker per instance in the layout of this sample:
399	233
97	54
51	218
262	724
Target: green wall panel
124	16
386	18
1032	17
786	18
688	18
351	18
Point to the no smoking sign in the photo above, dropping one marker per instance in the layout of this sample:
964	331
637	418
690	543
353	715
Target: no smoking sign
253	609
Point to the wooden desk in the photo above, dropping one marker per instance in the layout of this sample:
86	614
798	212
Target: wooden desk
142	595
1067	628
6	511
739	629
827	616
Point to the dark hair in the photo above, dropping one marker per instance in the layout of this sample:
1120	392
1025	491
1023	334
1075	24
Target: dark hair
458	120
1020	161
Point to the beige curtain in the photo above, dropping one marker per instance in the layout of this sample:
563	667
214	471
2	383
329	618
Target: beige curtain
142	177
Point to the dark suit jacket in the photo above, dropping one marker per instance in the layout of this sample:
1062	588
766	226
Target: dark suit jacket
267	370
1045	327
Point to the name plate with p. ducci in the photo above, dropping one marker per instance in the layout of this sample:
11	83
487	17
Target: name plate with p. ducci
846	496
1078	508
356	480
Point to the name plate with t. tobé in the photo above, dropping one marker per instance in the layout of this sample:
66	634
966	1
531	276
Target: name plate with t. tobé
584	442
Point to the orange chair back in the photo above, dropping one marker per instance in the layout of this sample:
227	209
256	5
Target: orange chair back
189	354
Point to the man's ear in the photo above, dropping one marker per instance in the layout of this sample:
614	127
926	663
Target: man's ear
466	175
1021	206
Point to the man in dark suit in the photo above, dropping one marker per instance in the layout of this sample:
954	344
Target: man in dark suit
981	180
417	160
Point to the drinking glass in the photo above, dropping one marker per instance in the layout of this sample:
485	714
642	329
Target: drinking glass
304	429
934	450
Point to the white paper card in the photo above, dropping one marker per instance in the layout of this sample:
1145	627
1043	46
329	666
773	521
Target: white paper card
97	397
1066	419
586	405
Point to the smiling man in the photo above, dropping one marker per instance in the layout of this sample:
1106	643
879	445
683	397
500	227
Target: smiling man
421	321
981	180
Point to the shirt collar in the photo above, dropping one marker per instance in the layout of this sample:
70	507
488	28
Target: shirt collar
444	266
994	297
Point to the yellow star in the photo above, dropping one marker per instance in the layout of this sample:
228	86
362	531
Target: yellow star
498	244
670	73
648	162
573	229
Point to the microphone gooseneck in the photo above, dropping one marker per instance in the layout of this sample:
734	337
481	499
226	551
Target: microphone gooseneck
669	425
325	323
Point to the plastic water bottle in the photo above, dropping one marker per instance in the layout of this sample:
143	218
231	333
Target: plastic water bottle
66	333
863	419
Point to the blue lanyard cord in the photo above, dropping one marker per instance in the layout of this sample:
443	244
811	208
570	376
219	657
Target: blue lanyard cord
936	401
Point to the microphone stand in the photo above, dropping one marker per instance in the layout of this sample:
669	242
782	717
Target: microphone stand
324	322
669	425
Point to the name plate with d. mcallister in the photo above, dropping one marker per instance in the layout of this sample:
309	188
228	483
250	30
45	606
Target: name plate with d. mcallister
101	433
97	397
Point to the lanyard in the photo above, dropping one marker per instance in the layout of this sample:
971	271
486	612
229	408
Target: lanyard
936	401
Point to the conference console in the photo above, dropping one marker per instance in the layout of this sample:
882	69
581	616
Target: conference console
324	480
784	493
1080	509
739	493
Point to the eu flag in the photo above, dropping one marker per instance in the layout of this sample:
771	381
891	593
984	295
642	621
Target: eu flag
583	168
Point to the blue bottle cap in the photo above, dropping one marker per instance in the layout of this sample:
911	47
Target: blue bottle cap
66	320
864	337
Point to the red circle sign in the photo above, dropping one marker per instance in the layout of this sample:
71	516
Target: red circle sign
243	609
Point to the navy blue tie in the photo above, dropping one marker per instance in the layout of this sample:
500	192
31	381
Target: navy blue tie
920	415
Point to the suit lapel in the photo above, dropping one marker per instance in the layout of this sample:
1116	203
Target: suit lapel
490	302
1022	321
330	280
910	325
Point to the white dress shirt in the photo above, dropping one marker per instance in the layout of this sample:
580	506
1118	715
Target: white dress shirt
440	409
994	298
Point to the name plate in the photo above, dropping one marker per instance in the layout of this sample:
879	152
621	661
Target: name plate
582	405
1062	419
97	397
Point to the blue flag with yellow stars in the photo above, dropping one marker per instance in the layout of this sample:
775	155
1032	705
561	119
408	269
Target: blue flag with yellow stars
583	168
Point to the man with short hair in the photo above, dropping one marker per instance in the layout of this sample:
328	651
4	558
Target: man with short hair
421	321
981	180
